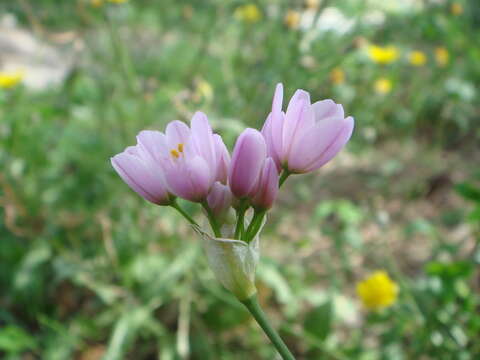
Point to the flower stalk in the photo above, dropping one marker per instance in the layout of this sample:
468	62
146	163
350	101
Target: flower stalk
254	308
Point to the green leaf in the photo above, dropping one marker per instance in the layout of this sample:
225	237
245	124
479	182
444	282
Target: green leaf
449	270
14	339
318	322
468	191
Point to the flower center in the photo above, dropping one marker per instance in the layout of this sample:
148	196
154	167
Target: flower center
177	152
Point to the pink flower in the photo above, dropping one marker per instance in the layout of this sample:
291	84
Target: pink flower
247	162
144	178
187	156
267	186
220	199
308	135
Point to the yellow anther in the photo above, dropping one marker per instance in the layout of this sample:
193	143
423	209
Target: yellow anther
174	153
180	147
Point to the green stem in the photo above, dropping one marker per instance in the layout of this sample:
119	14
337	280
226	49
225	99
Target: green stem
283	177
183	212
240	219
254	307
212	220
254	225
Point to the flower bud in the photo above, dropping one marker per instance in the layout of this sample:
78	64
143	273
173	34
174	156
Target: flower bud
247	163
219	200
267	187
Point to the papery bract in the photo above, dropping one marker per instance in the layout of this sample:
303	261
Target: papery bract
233	262
308	135
267	187
144	178
247	162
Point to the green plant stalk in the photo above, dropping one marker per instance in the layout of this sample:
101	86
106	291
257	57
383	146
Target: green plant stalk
254	225
283	177
212	220
183	212
254	308
240	219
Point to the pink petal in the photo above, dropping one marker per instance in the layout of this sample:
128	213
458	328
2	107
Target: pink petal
277	98
177	132
189	180
335	146
247	161
202	138
299	119
153	145
327	108
269	140
223	159
315	143
147	182
219	199
267	188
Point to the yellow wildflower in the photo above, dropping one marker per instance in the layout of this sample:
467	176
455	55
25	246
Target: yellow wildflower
383	55
442	56
417	58
292	19
312	4
383	86
337	76
9	79
249	13
117	1
456	9
96	3
203	90
377	291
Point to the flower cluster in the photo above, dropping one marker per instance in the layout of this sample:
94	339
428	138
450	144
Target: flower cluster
193	162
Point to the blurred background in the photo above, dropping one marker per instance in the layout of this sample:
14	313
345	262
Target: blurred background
89	270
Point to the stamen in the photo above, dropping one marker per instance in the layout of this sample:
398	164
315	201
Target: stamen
174	153
180	147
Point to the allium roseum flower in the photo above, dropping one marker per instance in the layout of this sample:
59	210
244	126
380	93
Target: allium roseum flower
141	175
308	135
193	163
188	156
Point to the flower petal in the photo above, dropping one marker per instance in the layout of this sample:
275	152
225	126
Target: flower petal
267	188
311	146
145	181
177	132
247	161
277	98
202	138
223	159
334	147
153	145
299	120
327	108
189	180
